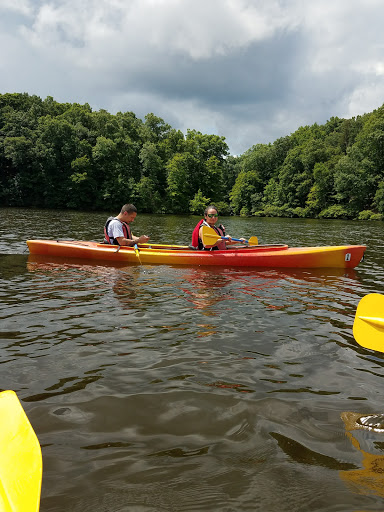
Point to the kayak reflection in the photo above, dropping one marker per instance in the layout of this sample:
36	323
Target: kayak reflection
205	289
207	284
122	279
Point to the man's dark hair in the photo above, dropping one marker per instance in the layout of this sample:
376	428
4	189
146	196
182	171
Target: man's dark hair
129	208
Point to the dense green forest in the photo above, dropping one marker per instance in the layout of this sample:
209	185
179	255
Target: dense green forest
64	155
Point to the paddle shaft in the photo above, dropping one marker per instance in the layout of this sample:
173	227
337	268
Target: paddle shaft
137	252
234	239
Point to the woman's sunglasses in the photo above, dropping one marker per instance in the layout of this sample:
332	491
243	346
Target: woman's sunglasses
210	215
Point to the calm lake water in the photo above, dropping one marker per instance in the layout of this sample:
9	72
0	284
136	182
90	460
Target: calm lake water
157	388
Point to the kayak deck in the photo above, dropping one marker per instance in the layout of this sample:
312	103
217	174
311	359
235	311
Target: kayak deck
277	256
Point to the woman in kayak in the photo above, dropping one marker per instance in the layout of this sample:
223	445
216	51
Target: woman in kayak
117	230
211	216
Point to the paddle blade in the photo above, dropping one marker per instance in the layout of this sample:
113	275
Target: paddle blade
253	240
209	235
20	458
368	327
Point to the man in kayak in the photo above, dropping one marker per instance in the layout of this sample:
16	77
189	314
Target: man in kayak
117	230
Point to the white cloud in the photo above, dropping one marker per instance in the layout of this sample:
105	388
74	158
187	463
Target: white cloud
251	70
23	7
364	99
194	28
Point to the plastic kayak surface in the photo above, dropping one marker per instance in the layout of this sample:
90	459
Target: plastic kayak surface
277	256
20	461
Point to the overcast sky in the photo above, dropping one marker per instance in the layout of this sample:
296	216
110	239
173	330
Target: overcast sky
249	70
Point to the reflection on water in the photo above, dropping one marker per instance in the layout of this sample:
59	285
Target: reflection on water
369	479
304	455
192	389
205	289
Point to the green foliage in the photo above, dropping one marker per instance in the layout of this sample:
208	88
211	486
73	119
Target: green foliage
231	166
322	188
206	146
180	171
83	186
154	129
224	208
301	212
379	197
244	212
335	211
261	158
369	215
62	155
329	171
198	204
151	163
272	193
246	192
147	197
212	179
355	182
277	211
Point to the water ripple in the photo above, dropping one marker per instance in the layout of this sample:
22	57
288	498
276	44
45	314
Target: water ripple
192	389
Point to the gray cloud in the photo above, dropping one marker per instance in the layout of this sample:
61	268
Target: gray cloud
251	71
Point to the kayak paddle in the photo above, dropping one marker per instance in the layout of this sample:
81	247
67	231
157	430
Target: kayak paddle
210	237
137	252
368	327
20	458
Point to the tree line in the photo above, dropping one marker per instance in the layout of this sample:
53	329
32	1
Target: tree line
65	155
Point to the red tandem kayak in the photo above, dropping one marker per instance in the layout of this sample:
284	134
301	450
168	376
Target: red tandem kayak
276	256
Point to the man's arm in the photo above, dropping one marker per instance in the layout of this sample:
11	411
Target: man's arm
139	239
135	240
124	241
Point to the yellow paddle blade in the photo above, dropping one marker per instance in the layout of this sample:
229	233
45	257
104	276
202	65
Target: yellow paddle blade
368	327
209	235
20	458
253	240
